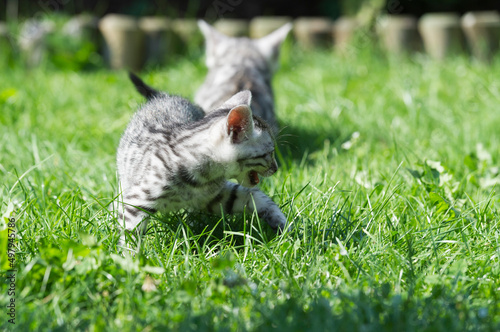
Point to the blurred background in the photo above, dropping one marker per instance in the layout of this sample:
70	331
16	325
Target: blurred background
78	34
241	8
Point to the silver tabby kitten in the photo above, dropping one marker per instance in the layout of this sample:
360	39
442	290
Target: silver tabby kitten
172	156
236	64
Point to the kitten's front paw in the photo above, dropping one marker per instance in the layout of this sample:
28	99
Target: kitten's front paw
275	218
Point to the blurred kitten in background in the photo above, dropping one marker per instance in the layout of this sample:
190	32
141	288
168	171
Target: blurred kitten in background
236	64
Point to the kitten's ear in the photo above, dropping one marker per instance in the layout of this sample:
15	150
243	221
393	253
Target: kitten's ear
239	123
212	39
208	31
270	45
240	119
241	98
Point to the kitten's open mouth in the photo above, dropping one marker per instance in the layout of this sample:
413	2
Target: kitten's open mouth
253	177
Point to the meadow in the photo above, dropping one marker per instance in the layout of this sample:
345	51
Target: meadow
389	173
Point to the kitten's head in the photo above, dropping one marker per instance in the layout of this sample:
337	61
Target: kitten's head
221	49
248	142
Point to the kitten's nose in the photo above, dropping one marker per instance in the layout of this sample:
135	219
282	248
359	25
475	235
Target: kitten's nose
273	168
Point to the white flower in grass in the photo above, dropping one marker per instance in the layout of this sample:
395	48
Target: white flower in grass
149	285
348	144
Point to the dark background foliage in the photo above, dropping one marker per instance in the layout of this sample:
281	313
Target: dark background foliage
234	8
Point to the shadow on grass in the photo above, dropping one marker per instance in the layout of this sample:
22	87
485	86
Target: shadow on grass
295	143
204	229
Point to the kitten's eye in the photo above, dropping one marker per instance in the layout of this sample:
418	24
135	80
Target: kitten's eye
264	156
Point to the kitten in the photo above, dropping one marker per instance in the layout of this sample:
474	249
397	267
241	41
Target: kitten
172	156
236	64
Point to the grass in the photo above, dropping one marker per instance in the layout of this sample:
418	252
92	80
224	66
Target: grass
388	169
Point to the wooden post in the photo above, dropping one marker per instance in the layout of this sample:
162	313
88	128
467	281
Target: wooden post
313	32
482	31
233	27
399	34
124	40
441	34
158	38
263	25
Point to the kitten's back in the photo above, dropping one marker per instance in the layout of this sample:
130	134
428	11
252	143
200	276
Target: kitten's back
168	112
163	109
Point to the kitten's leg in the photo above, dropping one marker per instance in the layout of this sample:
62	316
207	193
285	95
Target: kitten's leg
130	214
233	198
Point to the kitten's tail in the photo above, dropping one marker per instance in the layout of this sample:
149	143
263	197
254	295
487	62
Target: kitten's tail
142	87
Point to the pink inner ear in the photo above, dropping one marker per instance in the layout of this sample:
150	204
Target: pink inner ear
238	119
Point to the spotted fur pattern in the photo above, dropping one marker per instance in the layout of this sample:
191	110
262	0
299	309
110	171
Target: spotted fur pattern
172	156
236	64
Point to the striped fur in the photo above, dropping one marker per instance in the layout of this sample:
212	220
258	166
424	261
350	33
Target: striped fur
172	156
236	64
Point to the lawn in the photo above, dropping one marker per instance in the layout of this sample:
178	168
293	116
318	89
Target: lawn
389	172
